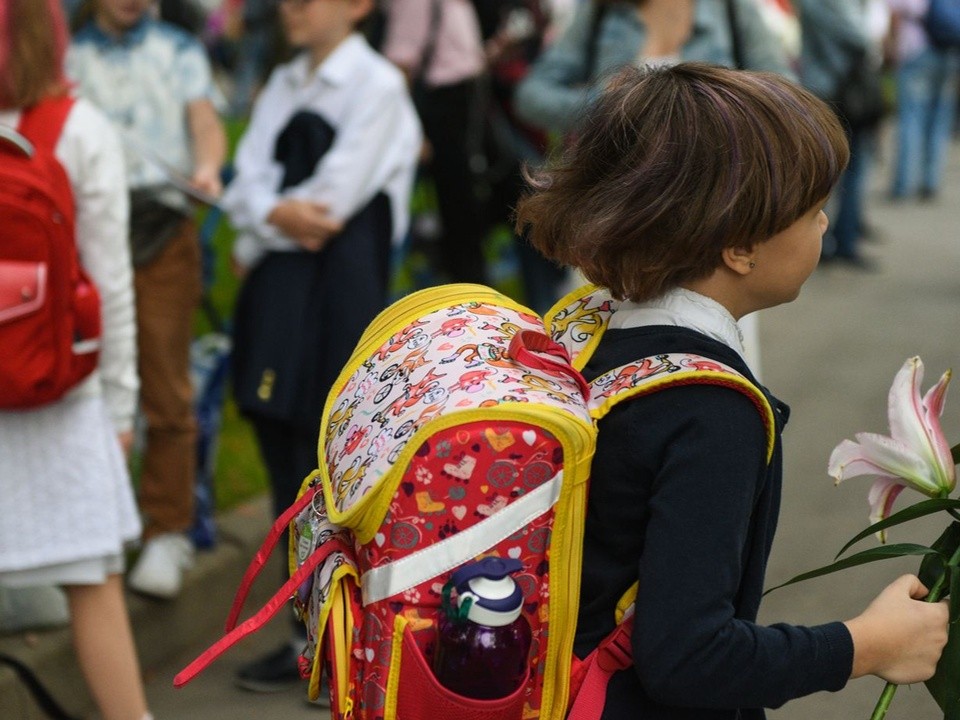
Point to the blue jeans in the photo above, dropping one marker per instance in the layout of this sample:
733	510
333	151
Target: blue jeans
926	103
847	223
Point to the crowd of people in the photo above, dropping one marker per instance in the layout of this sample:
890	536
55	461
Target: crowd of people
346	105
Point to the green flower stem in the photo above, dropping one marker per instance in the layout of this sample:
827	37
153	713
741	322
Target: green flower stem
889	690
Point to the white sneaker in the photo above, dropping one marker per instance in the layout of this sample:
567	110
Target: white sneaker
159	570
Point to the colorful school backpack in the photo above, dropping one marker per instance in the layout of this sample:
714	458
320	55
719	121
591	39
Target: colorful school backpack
49	308
460	428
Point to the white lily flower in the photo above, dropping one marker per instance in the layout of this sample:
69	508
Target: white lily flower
916	453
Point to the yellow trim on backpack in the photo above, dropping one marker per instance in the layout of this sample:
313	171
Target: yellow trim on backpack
395	317
567	551
337	604
586	352
700	377
628	599
367	514
393	678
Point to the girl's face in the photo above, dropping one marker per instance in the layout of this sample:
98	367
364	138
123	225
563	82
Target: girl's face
785	261
318	25
117	16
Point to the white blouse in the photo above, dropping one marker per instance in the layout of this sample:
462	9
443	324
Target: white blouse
683	308
376	148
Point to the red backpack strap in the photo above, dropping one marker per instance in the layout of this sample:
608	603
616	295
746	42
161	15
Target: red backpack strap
612	655
254	623
42	124
263	554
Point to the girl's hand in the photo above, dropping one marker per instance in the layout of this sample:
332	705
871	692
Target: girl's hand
305	222
899	637
669	24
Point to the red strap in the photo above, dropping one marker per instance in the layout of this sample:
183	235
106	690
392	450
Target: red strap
612	655
254	623
263	554
43	123
528	347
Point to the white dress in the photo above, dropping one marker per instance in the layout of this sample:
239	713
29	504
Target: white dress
66	504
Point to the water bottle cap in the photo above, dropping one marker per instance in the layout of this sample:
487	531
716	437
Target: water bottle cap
496	598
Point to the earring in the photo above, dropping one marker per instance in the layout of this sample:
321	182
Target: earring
752	264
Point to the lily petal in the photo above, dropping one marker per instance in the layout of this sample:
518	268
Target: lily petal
848	460
882	495
900	460
905	409
933	403
915	422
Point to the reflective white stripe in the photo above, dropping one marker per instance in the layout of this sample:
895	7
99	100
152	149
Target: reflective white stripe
82	347
387	580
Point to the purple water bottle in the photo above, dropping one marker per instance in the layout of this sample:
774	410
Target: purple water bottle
484	643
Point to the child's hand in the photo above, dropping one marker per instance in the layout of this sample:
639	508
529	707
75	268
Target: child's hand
305	222
207	180
898	637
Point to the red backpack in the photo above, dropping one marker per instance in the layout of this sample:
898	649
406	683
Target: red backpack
49	308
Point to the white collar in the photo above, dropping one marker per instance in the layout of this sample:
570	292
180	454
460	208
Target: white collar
335	68
682	308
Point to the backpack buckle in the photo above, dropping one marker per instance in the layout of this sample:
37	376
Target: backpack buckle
615	652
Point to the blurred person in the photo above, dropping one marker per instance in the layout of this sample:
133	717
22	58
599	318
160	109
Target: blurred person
256	35
605	35
841	64
514	35
438	46
68	505
926	78
322	191
781	17
153	81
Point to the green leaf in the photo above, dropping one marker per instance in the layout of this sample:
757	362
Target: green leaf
884	552
945	684
955	453
925	507
954	594
933	566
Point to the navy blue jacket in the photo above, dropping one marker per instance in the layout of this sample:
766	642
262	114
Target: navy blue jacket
681	497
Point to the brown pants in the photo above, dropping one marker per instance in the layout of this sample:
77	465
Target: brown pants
168	292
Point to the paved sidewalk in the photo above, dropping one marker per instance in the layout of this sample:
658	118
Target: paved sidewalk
831	355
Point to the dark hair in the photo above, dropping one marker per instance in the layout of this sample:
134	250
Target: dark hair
674	164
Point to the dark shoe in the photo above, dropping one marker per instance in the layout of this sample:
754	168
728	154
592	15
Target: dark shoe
276	671
928	195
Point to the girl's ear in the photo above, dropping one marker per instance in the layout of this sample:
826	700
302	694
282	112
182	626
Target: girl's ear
740	260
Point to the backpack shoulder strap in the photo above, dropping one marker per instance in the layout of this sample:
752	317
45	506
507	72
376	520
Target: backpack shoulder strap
43	123
628	381
658	372
579	319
